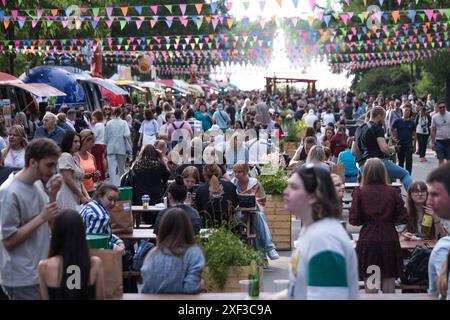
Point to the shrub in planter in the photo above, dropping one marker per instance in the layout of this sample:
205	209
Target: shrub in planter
225	254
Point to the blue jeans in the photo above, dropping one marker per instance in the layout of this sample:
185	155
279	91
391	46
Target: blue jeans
263	240
396	172
23	293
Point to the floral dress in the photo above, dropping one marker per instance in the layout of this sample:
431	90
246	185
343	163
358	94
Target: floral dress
66	199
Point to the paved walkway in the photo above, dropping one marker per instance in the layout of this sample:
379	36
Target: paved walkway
278	269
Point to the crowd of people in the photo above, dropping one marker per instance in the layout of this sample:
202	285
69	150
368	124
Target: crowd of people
61	176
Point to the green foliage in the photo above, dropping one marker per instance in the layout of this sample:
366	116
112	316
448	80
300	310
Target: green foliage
389	80
295	130
428	84
224	251
274	184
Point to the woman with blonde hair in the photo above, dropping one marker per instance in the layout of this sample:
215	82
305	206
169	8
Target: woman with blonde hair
14	154
378	208
316	156
21	119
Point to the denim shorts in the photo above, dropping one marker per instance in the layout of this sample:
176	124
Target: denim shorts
443	149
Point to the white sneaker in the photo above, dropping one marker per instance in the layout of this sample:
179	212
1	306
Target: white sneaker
273	254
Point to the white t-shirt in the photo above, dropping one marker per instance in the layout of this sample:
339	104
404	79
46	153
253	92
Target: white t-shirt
15	159
99	130
149	127
328	117
324	264
442	125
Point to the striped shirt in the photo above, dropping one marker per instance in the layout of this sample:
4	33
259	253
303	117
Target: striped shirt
324	264
96	220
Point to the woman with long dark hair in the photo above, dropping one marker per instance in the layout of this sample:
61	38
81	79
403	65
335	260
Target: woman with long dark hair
176	264
72	193
150	176
68	254
417	208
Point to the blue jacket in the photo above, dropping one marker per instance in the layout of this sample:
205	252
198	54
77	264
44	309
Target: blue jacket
349	161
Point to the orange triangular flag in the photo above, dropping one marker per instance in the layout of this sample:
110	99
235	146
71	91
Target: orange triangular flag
54	12
153	22
230	23
199	7
208	19
124	10
280	2
396	16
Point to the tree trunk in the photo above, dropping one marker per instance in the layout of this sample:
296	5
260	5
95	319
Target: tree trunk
447	91
11	55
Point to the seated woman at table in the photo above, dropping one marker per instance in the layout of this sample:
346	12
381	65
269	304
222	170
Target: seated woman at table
417	224
191	179
316	156
248	185
176	195
349	161
96	216
302	152
378	208
176	264
216	198
68	247
150	176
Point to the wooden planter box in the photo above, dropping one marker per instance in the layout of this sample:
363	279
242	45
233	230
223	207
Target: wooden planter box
279	221
290	148
232	283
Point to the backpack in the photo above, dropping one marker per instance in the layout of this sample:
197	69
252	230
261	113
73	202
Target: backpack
416	268
180	137
141	253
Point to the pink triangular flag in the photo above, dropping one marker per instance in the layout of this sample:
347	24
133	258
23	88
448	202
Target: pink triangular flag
109	11
182	8
154	9
229	5
312	3
109	23
139	24
14	14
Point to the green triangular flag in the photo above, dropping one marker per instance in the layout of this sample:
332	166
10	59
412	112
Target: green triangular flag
126	47
422	15
49	23
119	40
169	7
362	17
209	45
199	23
122	24
432	44
447	13
167	46
148	41
387	33
246	4
95	11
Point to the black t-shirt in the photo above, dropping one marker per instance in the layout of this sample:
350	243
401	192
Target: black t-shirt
366	137
299	114
232	113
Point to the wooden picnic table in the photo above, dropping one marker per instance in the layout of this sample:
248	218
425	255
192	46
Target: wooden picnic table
266	296
148	234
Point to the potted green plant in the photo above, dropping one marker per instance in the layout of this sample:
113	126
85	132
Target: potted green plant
277	217
227	260
295	133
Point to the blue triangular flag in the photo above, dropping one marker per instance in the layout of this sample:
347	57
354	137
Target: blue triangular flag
327	18
412	14
139	9
214	7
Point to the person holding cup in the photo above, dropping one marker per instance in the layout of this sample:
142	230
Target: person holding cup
25	213
417	208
